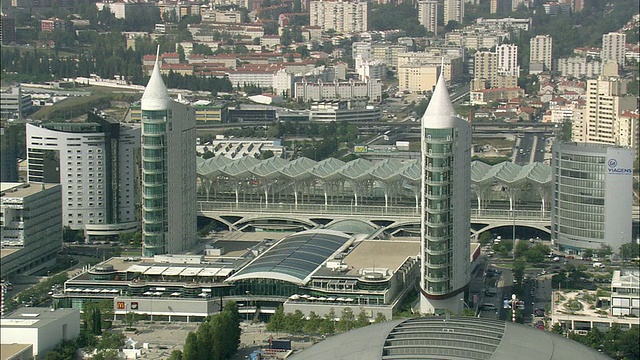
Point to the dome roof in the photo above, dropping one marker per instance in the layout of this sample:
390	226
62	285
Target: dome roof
448	338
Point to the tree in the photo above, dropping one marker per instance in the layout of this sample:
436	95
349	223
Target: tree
312	325
176	355
557	328
294	322
347	320
587	253
484	238
536	253
467	312
277	321
629	251
328	323
190	350
604	251
361	320
111	340
110	354
380	317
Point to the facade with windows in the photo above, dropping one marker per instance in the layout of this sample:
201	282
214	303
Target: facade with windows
30	224
445	210
592	197
95	163
168	171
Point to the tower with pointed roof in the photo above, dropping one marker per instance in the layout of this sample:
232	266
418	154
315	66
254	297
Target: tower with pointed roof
445	218
168	170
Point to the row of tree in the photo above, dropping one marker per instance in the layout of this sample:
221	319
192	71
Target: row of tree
615	342
217	338
297	323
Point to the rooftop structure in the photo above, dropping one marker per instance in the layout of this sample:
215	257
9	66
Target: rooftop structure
401	179
43	328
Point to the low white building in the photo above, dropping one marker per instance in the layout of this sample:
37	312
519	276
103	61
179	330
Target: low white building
43	328
625	293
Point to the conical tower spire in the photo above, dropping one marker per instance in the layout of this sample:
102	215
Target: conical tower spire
155	96
440	112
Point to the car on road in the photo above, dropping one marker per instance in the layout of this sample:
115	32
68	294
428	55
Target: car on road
489	306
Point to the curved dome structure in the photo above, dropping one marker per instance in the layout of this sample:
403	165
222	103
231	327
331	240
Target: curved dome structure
448	338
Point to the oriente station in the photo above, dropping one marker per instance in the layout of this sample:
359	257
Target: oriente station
314	236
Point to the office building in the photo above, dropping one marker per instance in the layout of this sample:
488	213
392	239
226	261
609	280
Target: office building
9	134
95	162
445	210
540	51
607	100
592	196
453	11
341	16
14	104
31	224
168	170
613	49
428	15
42	328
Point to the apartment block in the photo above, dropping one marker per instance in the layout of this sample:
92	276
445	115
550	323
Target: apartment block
428	15
341	16
540	54
613	49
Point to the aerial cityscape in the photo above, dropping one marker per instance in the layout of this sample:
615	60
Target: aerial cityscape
321	179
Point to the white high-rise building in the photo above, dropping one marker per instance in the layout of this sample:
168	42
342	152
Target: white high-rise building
95	162
453	10
341	16
613	49
168	171
540	54
508	59
428	15
445	217
607	99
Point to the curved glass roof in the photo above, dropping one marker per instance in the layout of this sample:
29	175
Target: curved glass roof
454	338
351	226
360	170
295	258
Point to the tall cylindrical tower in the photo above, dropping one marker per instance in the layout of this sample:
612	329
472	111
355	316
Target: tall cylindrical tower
155	106
445	229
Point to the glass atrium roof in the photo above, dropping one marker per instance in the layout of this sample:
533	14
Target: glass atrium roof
294	258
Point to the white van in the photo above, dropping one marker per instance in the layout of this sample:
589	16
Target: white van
598	265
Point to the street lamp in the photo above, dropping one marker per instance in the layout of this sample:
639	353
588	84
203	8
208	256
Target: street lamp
514	233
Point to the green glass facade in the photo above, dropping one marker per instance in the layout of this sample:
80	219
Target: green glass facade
438	217
154	182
